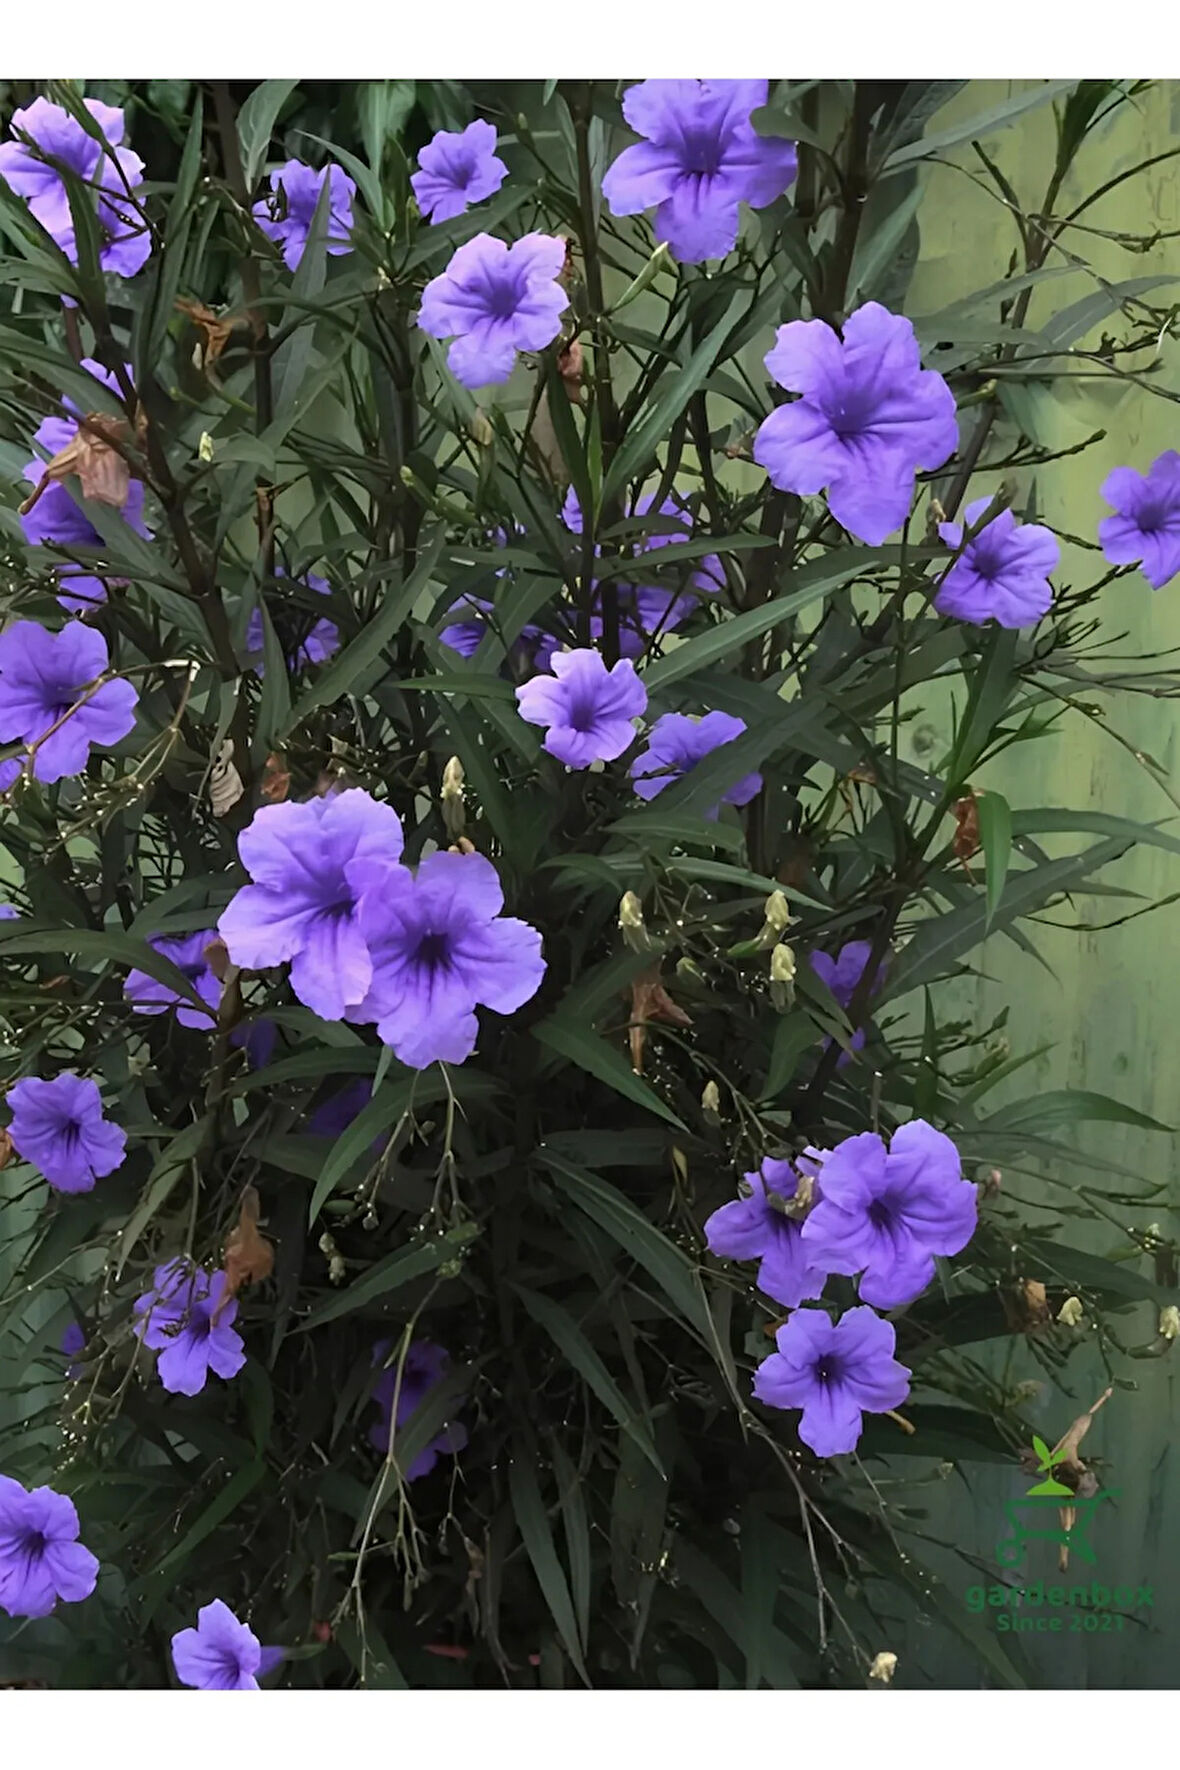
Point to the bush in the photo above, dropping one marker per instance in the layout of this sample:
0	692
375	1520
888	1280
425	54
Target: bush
456	828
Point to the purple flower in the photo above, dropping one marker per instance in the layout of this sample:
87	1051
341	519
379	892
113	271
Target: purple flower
842	974
221	1653
42	676
1146	528
1003	574
440	949
333	1116
58	1127
258	1039
751	1228
126	242
41	1559
424	1368
58	519
700	160
477	618
677	743
836	1372
587	708
302	905
456	170
320	644
494	300
9	913
870	416
148	996
649	610
187	1317
886	1215
73	1340
287	214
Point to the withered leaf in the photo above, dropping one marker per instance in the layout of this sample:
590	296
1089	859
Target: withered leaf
216	330
650	1001
102	471
249	1257
225	783
966	838
276	780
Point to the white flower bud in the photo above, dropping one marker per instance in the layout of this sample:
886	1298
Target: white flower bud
480	428
777	913
1071	1312
632	924
205	447
1170	1322
782	976
451	797
711	1103
883	1668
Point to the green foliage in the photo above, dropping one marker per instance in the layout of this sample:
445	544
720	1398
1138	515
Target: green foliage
622	1514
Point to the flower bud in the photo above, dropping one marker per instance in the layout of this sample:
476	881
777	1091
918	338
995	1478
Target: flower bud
451	797
883	1668
711	1103
1071	1312
205	447
480	428
1169	1322
782	976
777	912
632	924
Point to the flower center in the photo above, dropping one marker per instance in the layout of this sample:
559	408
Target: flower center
702	151
34	1543
829	1368
434	951
503	297
881	1214
1150	519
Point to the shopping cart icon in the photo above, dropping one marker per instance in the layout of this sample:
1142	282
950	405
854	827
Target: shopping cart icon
1046	1512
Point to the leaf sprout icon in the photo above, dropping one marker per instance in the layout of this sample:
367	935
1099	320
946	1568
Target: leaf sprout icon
1046	1459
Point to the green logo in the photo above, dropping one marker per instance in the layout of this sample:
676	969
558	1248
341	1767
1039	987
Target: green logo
1046	1459
1051	1512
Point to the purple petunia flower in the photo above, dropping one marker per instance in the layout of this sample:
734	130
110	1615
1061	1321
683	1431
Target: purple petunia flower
887	1214
42	677
842	974
440	948
148	996
59	519
456	170
187	1317
836	1372
494	300
287	214
1146	528
302	904
127	243
58	1127
587	708
221	1653
751	1228
676	743
700	160
1003	574
424	1368
320	644
870	416
41	1559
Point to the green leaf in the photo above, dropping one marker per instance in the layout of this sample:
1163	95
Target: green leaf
256	121
161	1183
983	123
373	1121
995	836
1068	1106
538	1541
1046	820
579	1045
89	943
565	1333
222	1506
381	1281
577	1538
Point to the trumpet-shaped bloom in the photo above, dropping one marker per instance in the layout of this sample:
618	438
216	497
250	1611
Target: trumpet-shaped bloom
836	1372
440	948
752	1228
424	1368
58	1127
456	170
148	995
495	300
1145	529
586	708
46	696
56	135
700	160
41	1559
221	1653
870	415
887	1213
319	643
677	743
1003	574
302	904
287	214
187	1317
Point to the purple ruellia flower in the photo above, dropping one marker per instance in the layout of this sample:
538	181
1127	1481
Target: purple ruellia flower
701	158
1003	574
886	1215
456	170
58	1127
494	300
649	611
440	949
187	1317
836	1372
1146	528
221	1653
148	996
425	1367
477	617
870	416
73	1340
334	1115
9	913
43	676
59	519
842	974
752	1228
676	743
287	214
258	1039
41	1559
587	708
302	904
126	241
320	643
